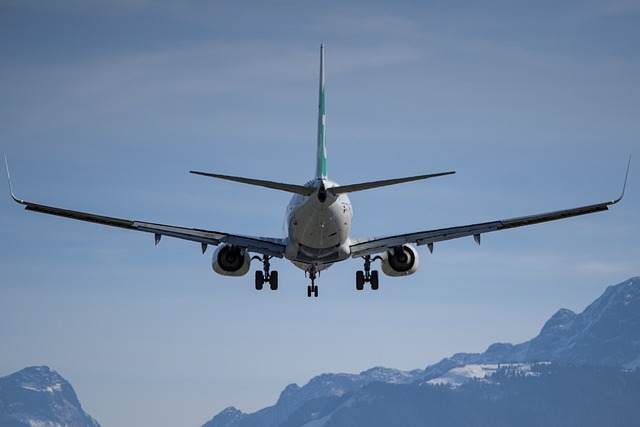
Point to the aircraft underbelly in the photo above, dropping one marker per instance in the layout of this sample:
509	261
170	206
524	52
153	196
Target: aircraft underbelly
319	233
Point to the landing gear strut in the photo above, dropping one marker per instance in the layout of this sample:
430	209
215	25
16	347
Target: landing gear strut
265	275
367	276
312	289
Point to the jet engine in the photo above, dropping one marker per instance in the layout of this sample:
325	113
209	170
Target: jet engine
231	260
400	261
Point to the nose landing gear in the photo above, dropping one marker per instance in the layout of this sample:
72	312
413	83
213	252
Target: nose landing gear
312	289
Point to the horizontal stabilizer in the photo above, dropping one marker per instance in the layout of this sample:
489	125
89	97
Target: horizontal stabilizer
342	189
290	188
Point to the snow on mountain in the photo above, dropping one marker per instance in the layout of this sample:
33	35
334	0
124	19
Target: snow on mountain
460	375
40	397
321	387
463	374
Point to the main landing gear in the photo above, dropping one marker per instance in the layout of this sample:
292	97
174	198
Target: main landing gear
367	276
265	276
312	289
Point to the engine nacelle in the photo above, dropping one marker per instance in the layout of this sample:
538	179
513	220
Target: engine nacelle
231	260
400	261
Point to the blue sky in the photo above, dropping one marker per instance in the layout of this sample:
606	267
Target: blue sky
105	107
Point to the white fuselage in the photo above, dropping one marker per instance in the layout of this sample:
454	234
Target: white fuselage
317	227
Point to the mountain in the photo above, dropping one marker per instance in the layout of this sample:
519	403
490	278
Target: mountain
40	397
542	395
606	333
325	387
601	342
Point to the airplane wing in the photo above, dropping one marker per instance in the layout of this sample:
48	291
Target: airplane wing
262	245
370	246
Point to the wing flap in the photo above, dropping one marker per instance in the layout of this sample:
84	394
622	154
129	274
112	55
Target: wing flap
262	245
376	245
82	216
552	216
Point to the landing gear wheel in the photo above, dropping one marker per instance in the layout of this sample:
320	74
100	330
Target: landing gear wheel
259	280
375	284
273	281
312	288
314	291
359	280
265	275
368	275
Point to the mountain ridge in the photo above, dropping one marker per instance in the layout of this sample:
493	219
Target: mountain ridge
566	338
585	338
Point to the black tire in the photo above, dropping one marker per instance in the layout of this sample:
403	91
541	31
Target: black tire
273	280
375	284
359	280
315	291
259	280
309	291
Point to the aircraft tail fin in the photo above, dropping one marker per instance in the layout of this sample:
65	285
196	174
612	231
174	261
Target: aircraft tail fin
321	156
321	160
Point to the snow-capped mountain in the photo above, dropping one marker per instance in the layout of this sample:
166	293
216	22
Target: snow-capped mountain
40	397
482	395
320	387
606	333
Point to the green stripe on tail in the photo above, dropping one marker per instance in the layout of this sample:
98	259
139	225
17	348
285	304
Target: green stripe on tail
321	156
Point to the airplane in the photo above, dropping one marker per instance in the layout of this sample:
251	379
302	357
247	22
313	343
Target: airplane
317	226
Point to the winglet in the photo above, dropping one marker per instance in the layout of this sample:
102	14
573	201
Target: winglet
13	196
624	186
